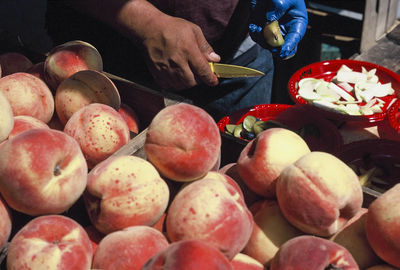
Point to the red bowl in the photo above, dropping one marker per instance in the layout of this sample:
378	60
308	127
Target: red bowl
394	116
327	70
322	136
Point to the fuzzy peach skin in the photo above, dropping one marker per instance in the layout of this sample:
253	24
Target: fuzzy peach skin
130	116
383	226
99	130
263	159
183	142
28	95
42	171
213	211
69	58
352	236
128	249
6	119
244	262
188	254
5	223
13	62
231	170
270	231
50	242
25	122
308	252
319	193
83	88
124	191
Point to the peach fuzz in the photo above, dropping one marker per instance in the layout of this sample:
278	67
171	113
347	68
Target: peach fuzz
124	191
68	58
42	171
25	122
188	254
129	248
6	119
224	221
319	193
99	130
263	159
383	226
130	116
271	230
13	62
352	236
50	242
83	88
183	142
231	170
28	95
244	262
5	223
308	252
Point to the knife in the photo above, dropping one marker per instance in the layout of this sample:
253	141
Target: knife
233	71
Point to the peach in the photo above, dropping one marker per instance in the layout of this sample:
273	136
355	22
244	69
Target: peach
223	221
69	58
244	262
83	88
124	191
94	236
5	223
352	236
231	170
319	193
28	95
129	248
50	242
262	160
99	130
130	117
55	123
383	226
311	252
183	142
25	122
37	70
188	254
7	118
13	62
42	171
271	230
381	267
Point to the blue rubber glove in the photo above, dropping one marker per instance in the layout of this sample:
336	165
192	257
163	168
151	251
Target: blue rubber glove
293	20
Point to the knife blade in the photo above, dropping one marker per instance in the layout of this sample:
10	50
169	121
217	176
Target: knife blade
233	71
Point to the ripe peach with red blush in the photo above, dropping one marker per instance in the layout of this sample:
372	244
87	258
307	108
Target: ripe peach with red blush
188	254
130	116
28	95
5	223
68	58
99	130
50	242
129	248
124	191
7	118
25	122
383	226
319	193
224	221
183	142
263	159
42	171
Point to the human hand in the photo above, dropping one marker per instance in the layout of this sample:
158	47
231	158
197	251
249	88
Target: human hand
178	54
292	17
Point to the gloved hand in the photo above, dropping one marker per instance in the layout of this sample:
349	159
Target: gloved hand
292	17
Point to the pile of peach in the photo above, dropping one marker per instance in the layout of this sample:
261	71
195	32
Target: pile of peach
280	206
